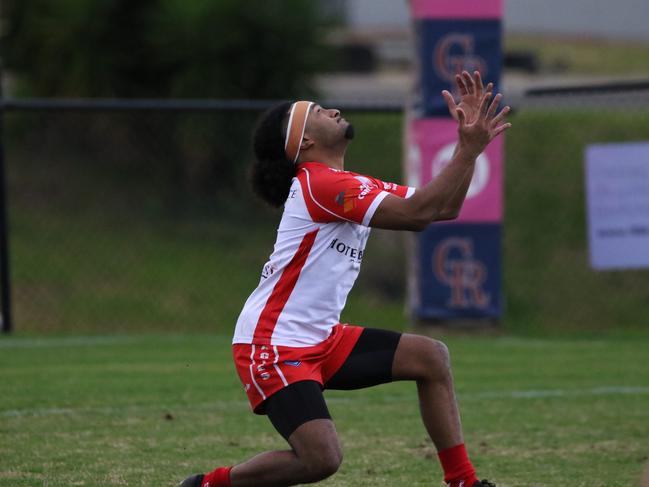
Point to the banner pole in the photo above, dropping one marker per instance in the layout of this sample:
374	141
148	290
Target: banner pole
456	279
5	296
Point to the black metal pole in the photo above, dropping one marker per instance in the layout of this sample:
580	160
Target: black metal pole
7	324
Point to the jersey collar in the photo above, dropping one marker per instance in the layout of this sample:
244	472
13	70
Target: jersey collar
315	165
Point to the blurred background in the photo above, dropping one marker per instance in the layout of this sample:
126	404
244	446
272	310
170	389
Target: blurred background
136	215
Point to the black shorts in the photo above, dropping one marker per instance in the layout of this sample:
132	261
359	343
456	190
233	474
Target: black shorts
368	364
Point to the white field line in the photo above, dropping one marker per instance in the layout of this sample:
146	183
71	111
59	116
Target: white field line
225	405
523	394
100	340
79	341
161	409
541	393
89	340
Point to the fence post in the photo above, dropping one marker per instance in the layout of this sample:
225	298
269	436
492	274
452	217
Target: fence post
5	297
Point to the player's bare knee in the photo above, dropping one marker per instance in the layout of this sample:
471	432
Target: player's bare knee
437	360
320	456
443	353
323	464
330	463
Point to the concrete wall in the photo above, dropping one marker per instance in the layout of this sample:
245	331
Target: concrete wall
617	19
378	13
622	19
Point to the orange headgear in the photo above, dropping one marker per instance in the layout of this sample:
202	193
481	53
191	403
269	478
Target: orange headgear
295	129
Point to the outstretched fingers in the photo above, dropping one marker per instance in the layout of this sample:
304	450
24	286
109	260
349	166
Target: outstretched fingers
500	129
496	125
501	115
494	105
479	86
484	103
461	117
450	101
481	103
470	83
459	81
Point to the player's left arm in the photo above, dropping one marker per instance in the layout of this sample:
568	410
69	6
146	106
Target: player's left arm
471	91
442	198
454	200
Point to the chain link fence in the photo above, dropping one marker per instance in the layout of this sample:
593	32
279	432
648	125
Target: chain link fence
131	219
548	276
141	218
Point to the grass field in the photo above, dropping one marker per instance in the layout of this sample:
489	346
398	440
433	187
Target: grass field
147	410
121	372
572	54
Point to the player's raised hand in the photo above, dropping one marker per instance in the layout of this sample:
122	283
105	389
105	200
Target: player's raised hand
471	91
487	123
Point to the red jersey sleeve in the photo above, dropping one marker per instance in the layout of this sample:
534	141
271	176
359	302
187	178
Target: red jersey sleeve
395	189
332	195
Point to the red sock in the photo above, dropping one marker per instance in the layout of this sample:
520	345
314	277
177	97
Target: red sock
457	467
218	478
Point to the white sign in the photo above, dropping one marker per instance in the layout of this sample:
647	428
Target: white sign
617	193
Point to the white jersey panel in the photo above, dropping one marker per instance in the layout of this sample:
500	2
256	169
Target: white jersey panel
316	258
322	288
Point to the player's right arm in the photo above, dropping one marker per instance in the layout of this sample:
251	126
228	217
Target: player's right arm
442	198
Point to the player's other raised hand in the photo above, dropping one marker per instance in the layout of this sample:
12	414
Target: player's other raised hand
471	90
479	120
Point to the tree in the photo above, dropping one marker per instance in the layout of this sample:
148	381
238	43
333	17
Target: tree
151	48
170	48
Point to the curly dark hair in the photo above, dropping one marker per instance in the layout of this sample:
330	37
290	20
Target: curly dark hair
271	173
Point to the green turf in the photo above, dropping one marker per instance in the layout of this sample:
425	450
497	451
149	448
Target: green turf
143	411
549	281
581	56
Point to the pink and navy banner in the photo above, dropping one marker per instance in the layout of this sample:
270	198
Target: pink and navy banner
451	36
458	271
432	141
457	9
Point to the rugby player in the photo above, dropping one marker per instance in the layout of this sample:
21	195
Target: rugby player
288	343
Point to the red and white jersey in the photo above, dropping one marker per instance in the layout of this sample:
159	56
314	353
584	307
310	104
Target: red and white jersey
317	257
